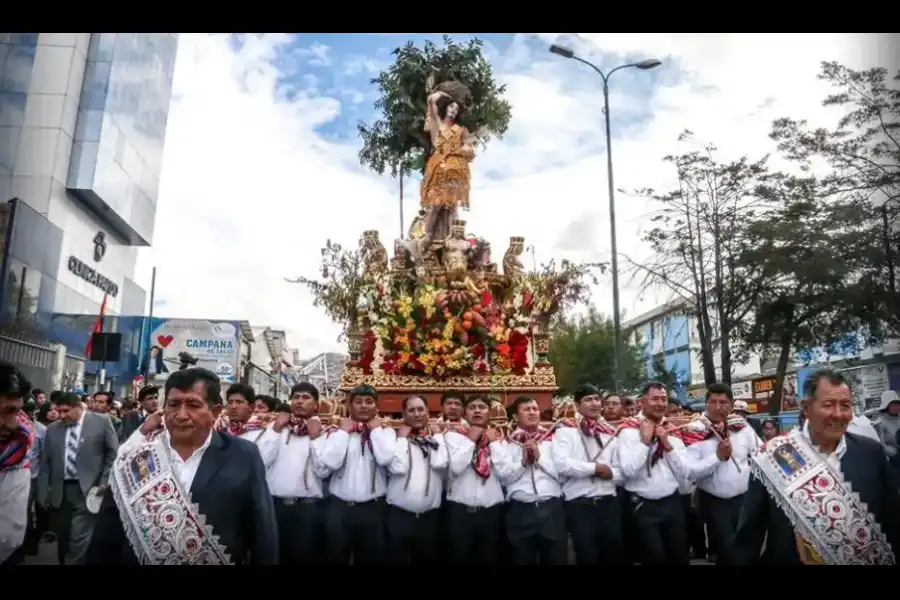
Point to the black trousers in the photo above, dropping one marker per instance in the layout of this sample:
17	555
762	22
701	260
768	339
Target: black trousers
413	538
355	529
721	518
632	549
661	530
696	535
299	529
595	525
475	534
537	532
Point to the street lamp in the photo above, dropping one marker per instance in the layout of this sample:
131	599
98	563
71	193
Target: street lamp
644	65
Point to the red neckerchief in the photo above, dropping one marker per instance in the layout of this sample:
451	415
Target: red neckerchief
481	457
592	428
658	451
15	445
365	436
298	426
424	440
234	428
522	436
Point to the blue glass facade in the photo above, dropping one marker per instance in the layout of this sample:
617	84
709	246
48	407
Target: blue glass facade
120	133
16	61
668	337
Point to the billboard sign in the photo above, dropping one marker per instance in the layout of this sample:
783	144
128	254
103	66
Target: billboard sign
215	345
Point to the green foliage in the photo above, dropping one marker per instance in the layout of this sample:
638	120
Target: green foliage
396	141
582	350
660	373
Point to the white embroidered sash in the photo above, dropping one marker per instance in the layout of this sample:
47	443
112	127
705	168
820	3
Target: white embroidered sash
162	525
827	514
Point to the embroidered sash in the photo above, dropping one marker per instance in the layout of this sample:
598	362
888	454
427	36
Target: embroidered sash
833	526
163	526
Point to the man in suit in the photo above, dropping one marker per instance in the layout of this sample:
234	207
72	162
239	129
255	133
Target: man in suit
102	403
148	401
224	475
854	459
78	454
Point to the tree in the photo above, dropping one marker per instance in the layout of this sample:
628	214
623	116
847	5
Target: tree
582	349
668	377
697	234
863	153
340	287
397	141
811	250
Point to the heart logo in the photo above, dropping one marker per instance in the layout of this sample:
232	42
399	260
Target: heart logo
164	340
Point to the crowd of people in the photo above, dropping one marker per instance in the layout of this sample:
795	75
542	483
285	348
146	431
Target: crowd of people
190	475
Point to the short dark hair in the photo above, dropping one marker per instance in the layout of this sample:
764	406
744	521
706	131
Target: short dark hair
242	390
452	395
652	385
363	390
185	379
719	388
628	401
54	396
406	400
585	390
282	407
147	390
68	399
513	408
108	395
811	385
476	397
269	401
13	384
305	386
37	392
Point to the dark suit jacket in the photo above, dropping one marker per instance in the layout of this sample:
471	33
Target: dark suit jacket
96	453
130	423
864	466
231	491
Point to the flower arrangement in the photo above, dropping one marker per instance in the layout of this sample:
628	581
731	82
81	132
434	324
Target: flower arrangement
427	330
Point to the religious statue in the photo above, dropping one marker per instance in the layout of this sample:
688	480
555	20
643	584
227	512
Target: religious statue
445	184
512	266
374	253
456	253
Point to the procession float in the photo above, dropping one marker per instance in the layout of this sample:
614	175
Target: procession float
438	313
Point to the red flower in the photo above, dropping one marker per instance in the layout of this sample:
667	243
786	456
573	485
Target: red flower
486	298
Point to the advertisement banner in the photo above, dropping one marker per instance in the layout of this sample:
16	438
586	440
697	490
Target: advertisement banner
867	384
215	345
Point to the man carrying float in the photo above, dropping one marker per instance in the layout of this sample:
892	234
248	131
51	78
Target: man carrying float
584	455
720	444
820	495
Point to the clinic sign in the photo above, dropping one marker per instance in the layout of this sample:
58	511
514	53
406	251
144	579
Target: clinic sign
215	344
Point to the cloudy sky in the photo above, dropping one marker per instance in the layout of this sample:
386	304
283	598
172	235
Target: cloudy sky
260	161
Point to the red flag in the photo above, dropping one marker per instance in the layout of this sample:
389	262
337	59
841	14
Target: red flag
98	328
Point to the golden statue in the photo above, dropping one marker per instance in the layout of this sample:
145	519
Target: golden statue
445	185
376	256
512	266
456	254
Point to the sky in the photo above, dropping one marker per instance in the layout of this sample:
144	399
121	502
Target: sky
260	165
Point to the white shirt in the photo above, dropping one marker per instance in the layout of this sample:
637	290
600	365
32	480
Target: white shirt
575	457
267	441
469	488
664	478
530	483
357	476
297	471
185	469
68	431
833	459
14	487
721	478
424	488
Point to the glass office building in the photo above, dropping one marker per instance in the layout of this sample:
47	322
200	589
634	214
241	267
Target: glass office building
82	131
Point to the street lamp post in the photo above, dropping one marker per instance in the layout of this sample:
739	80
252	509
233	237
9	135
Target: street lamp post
644	65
